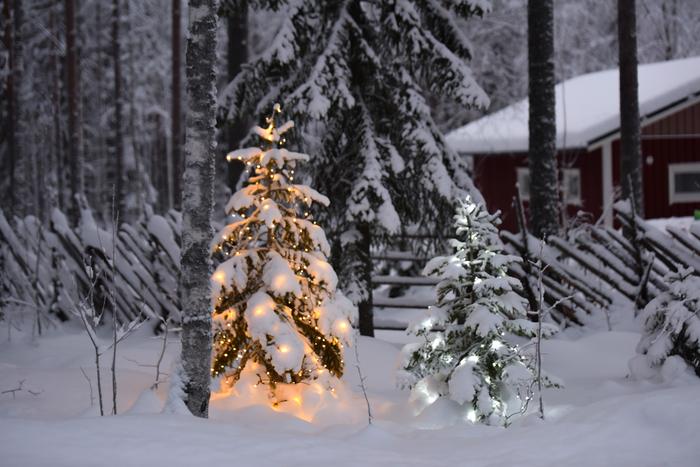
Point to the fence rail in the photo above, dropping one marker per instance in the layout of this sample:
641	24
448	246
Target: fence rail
593	270
45	268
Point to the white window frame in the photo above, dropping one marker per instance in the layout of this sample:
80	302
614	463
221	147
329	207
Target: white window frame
523	172
673	170
567	174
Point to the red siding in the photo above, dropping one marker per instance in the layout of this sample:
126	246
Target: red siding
665	152
673	139
685	121
496	175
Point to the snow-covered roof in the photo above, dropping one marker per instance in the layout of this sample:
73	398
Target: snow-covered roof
592	108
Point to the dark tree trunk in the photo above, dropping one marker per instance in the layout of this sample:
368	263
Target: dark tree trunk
134	171
57	150
10	14
544	211
365	307
197	203
630	147
75	165
174	183
118	108
237	52
669	8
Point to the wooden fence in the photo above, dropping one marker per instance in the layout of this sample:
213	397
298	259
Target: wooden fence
593	270
48	268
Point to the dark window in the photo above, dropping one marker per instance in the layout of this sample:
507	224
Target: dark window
687	182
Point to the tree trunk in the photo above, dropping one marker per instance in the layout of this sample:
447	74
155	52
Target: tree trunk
365	307
175	164
630	147
12	105
237	52
135	178
669	9
56	181
197	203
75	165
544	212
118	108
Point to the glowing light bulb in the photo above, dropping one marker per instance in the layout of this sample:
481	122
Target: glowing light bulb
220	277
343	326
259	311
284	348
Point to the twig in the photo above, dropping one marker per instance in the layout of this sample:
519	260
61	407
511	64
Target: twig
87	378
15	390
540	318
115	226
162	351
362	379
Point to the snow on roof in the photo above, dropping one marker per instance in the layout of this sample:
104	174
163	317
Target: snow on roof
592	108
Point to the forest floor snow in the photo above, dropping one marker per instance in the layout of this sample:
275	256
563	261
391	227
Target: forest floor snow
601	418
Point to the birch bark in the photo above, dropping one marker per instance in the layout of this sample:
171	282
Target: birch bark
197	203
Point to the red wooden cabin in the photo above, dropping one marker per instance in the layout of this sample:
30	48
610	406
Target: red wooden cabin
588	144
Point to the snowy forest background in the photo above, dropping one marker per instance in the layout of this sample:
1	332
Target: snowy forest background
36	147
122	293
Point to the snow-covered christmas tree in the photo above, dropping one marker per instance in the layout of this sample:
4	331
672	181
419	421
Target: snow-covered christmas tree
672	325
472	359
275	298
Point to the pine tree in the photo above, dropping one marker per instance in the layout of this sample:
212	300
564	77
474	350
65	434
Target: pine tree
542	151
276	304
75	162
357	75
672	322
630	137
473	360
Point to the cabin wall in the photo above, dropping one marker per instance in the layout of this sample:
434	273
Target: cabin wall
496	176
672	139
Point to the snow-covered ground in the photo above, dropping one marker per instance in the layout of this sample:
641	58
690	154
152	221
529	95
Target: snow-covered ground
601	417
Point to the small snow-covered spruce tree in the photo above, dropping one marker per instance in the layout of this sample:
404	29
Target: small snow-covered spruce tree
672	322
473	360
275	298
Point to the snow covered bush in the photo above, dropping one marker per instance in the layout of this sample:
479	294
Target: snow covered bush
671	326
468	353
275	298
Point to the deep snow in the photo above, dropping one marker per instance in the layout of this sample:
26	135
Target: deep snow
601	417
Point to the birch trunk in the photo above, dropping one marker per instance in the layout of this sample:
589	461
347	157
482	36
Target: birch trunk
544	199
197	203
